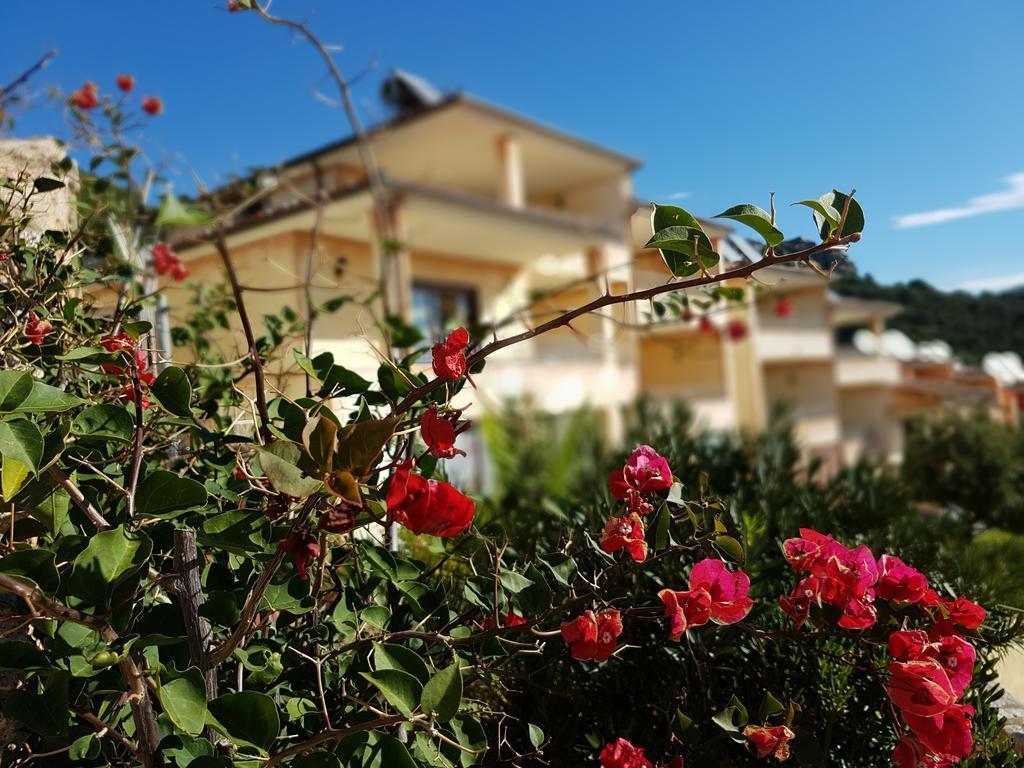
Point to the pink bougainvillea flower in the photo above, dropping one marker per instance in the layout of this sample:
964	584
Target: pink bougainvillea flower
772	741
622	754
449	356
439	432
920	688
797	604
86	97
911	753
625	533
302	548
647	471
152	105
954	654
685	610
858	613
854	569
808	549
427	506
125	83
592	637
898	581
947	735
36	330
728	590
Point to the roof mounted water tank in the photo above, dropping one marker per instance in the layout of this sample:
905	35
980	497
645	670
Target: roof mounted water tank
406	92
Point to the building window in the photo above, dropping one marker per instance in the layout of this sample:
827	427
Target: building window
439	307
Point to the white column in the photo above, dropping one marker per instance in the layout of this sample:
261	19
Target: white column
511	181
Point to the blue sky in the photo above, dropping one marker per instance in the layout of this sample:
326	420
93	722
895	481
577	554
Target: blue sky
919	106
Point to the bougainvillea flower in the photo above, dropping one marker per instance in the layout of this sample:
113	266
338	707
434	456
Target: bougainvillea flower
950	614
622	754
166	261
704	325
646	471
625	533
86	97
783	307
152	105
685	610
809	548
772	741
510	619
948	734
920	688
427	506
592	637
146	379
858	613
449	356
911	753
439	432
898	581
36	329
736	330
855	569
797	604
302	548
728	590
125	83
954	654
122	342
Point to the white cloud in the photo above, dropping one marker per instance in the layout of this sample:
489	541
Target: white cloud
678	195
997	283
1006	200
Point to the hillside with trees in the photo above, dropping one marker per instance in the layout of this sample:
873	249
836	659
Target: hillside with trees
972	324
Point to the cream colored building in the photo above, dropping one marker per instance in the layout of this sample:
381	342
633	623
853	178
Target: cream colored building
505	221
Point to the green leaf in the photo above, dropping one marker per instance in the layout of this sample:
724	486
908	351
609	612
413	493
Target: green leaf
770	706
237	530
37	565
45	713
318	437
757	219
536	735
400	689
562	567
106	420
837	201
46	399
174	213
86	355
280	463
15	386
659	528
46	184
733	717
110	558
136	328
360	444
391	656
828	213
162	492
21	656
22	441
335	380
247	718
676	245
13	474
173	391
730	547
183	699
443	694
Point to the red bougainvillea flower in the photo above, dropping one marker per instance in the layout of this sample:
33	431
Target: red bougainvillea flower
807	549
125	83
625	533
592	637
911	753
920	688
234	5
859	613
427	506
152	105
736	330
36	329
86	97
122	342
302	548
510	619
704	325
685	610
769	741
146	379
439	432
951	614
898	581
954	654
783	307
449	356
167	262
622	754
947	735
727	589
797	604
179	272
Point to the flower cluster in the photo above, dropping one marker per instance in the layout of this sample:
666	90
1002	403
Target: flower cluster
88	96
440	430
36	330
122	342
623	754
932	666
645	475
767	741
166	261
716	594
592	636
449	356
